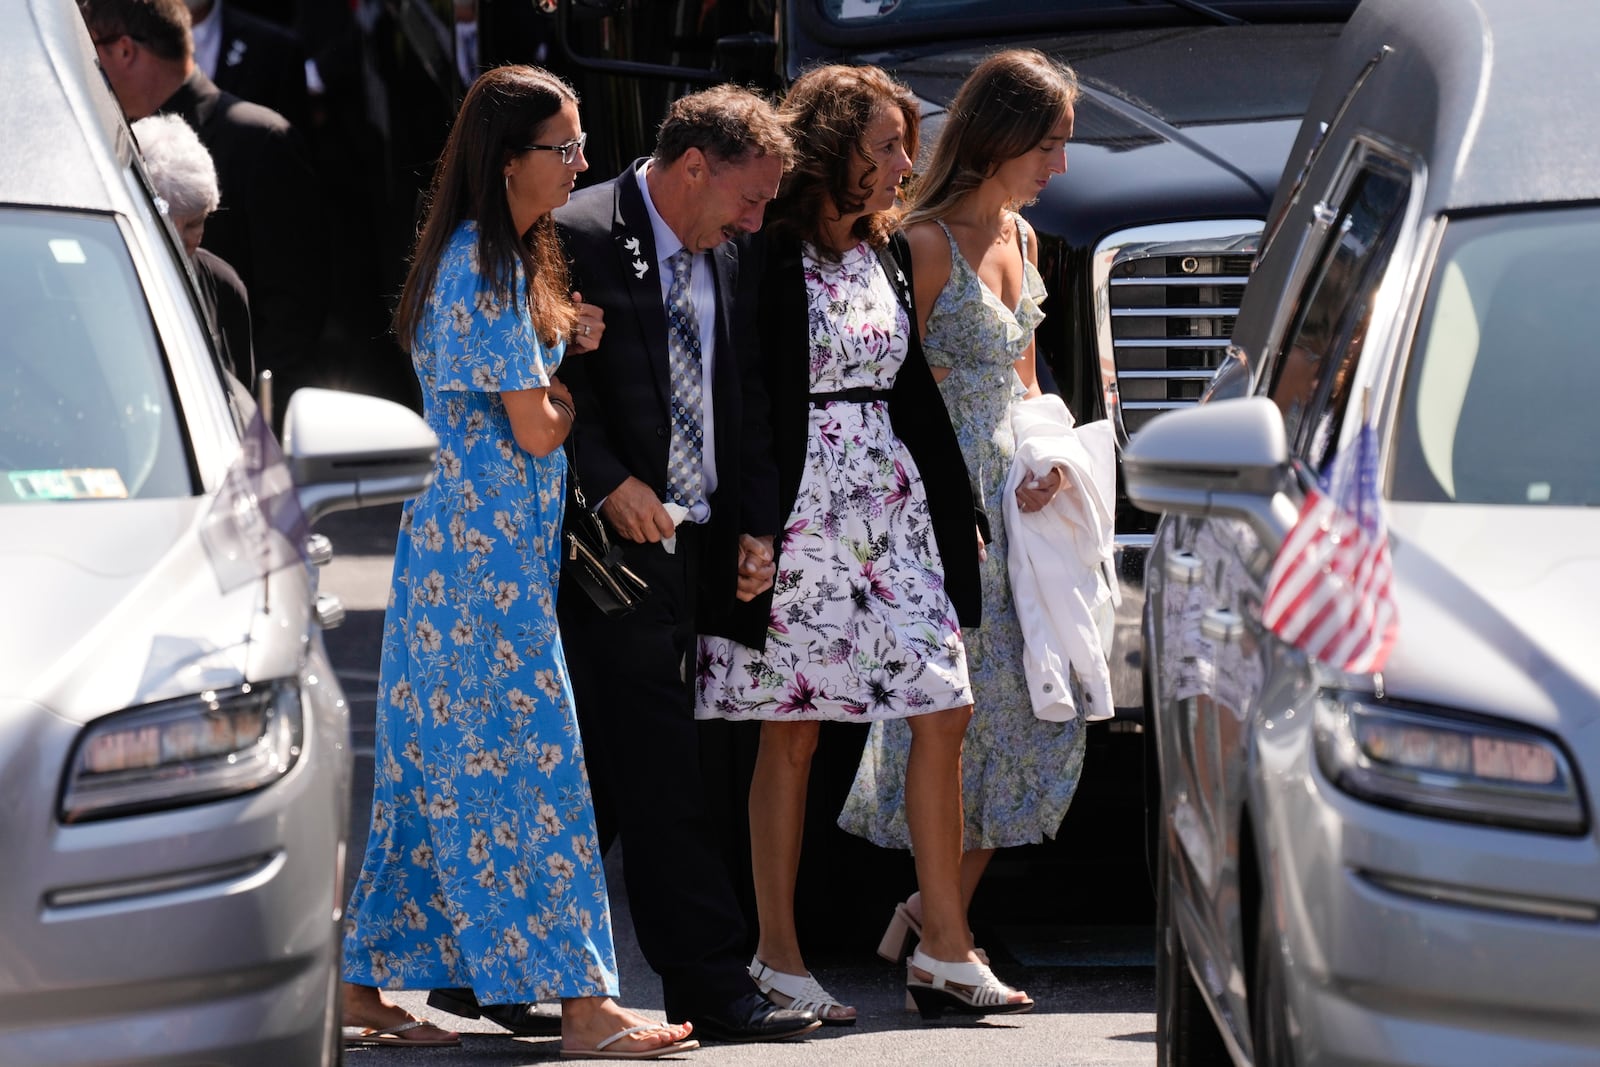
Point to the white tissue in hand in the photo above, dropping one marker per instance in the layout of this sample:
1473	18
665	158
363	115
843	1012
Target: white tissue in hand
676	513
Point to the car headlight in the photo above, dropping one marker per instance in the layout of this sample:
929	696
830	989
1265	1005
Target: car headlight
214	745
1445	765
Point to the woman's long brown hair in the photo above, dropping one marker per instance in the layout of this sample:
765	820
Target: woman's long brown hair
1007	106
504	110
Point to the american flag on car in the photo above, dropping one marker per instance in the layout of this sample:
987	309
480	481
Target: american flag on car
1330	592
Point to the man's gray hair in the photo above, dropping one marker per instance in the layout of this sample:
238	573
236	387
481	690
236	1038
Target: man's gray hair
180	167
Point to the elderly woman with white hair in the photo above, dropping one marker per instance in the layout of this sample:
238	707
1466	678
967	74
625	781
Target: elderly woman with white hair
185	178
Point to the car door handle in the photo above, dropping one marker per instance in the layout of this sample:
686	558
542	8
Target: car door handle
1184	568
1221	625
330	611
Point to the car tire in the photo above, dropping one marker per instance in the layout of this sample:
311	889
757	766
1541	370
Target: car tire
1186	1034
1270	1033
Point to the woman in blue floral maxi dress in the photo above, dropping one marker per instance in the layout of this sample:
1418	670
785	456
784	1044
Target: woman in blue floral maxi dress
482	866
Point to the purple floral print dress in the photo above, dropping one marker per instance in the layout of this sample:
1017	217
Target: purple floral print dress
861	626
482	866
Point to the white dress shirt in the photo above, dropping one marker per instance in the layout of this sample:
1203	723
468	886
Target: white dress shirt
207	35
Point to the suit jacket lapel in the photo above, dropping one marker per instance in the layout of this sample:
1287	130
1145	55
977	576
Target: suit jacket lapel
636	253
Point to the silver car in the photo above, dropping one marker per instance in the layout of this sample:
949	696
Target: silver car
1400	867
174	770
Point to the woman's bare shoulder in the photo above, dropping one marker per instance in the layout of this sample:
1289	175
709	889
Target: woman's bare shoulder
929	245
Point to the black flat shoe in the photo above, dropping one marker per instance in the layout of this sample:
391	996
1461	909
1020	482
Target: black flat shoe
752	1018
524	1020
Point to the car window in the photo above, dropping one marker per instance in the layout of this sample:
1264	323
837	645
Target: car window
1311	377
86	406
1497	401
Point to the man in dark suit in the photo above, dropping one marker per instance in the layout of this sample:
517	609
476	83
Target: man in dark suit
270	226
252	58
675	449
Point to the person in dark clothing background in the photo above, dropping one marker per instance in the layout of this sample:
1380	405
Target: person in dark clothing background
252	58
185	179
270	228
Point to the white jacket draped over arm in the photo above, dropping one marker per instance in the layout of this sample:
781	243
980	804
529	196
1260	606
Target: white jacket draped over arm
1060	558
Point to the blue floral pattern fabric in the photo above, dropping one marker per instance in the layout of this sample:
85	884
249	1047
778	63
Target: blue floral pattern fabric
482	866
861	626
1019	773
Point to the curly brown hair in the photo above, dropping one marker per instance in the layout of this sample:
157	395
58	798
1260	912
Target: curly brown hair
829	110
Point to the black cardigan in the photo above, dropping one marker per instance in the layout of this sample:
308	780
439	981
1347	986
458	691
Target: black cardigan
916	410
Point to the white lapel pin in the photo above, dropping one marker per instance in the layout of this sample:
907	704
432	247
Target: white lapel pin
632	245
640	268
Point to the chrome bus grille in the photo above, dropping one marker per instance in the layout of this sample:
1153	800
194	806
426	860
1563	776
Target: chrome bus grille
1166	297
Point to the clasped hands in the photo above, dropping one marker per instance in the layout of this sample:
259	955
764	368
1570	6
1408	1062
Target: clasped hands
635	512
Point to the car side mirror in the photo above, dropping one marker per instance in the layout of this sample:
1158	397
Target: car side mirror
1226	458
348	450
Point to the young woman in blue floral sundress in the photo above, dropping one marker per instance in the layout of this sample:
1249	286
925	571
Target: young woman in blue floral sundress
978	296
482	866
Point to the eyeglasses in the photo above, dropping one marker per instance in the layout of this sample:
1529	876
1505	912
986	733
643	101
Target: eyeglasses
569	151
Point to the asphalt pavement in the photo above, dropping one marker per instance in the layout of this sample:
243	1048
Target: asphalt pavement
1089	969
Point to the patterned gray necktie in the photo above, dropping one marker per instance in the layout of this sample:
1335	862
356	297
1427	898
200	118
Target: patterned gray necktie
685	471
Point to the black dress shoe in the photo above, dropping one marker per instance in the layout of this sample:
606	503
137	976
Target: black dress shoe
524	1020
752	1018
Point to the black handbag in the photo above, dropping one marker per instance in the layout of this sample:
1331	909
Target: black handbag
592	562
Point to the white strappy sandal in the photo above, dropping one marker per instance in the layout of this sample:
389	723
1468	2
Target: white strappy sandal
966	988
801	992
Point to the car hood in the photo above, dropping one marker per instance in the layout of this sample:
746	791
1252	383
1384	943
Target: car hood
1172	123
1497	610
118	603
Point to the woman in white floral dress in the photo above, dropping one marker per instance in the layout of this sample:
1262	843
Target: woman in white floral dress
978	292
482	868
877	565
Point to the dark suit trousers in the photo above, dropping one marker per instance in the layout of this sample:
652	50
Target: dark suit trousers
641	743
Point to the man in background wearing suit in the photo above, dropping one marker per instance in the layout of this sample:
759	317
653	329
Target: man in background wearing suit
669	425
252	58
271	225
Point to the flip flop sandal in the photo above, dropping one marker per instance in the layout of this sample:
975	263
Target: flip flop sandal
602	1051
392	1036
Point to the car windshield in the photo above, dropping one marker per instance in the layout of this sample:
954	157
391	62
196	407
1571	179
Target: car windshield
912	14
86	408
1497	404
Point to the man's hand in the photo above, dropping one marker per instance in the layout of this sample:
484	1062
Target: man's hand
590	325
756	566
635	512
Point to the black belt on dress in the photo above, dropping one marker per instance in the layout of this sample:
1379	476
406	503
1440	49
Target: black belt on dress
860	395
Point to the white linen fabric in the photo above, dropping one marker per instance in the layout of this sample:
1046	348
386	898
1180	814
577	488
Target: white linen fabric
1060	558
